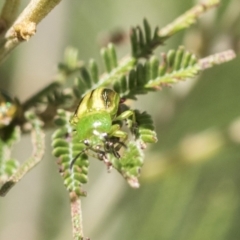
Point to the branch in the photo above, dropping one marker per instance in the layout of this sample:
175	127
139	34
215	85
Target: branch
187	19
76	213
216	59
8	14
25	25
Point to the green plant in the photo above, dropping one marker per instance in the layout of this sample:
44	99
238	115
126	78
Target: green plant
140	73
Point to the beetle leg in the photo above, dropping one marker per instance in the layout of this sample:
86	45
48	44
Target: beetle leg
113	143
117	138
116	143
116	132
115	153
109	146
102	156
120	134
75	158
126	116
120	144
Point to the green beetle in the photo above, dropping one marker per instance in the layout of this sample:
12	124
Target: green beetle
95	121
8	109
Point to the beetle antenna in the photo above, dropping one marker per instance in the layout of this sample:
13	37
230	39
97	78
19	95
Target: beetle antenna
74	160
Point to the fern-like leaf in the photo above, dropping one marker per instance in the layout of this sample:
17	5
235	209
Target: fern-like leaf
145	128
70	63
143	42
37	137
176	66
130	163
149	76
134	83
89	78
66	148
131	159
8	165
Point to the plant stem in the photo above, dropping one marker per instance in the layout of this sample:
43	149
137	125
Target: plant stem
216	59
25	25
38	151
8	14
187	19
76	213
124	67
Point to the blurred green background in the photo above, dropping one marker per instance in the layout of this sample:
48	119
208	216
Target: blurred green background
190	184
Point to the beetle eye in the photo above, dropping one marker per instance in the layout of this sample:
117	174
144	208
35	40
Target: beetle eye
86	142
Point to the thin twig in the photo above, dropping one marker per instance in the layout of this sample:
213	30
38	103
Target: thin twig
216	59
76	213
188	18
25	25
38	151
8	14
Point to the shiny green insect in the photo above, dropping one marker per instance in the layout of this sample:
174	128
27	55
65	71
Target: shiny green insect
96	120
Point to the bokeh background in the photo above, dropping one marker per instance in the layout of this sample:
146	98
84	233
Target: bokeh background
190	184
